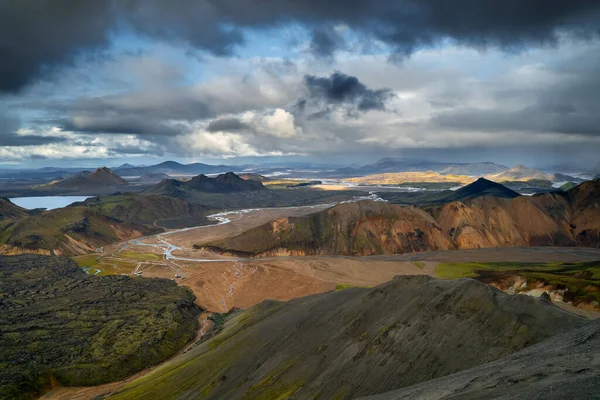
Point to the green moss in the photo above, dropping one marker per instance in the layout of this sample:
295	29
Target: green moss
85	330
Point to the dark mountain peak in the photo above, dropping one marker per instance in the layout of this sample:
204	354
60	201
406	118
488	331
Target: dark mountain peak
229	176
482	187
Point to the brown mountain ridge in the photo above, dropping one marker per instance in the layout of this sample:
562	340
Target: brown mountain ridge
498	218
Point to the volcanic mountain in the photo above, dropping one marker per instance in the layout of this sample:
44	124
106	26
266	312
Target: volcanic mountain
356	342
481	187
362	228
224	183
100	178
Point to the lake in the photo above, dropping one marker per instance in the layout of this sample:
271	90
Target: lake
47	202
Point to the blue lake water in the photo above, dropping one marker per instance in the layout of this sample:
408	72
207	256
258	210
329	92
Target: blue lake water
47	202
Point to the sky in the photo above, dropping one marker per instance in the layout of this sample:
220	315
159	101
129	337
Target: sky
343	82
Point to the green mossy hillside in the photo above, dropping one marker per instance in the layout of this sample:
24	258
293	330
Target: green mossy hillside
58	324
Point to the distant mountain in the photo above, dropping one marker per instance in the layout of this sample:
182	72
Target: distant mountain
523	173
254	177
362	228
175	168
124	166
389	164
474	169
224	183
364	341
100	178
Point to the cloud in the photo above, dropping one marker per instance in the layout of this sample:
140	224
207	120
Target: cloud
9	136
342	90
230	124
47	34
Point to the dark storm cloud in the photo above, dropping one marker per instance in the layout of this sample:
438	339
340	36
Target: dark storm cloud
227	125
136	150
40	34
343	90
325	41
13	140
121	124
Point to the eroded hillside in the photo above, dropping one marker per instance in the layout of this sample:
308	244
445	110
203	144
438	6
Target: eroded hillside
356	342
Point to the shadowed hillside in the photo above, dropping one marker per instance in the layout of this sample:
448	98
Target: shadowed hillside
356	342
566	366
8	210
60	325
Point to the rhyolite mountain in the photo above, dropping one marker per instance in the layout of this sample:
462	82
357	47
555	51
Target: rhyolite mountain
570	218
487	215
362	228
356	342
224	183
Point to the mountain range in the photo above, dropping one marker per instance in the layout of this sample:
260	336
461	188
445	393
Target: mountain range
175	168
224	183
483	214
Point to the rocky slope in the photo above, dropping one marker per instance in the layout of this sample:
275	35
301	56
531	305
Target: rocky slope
8	210
356	342
566	366
362	228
